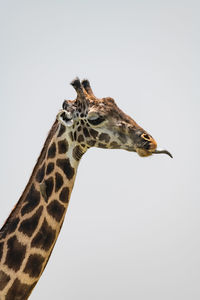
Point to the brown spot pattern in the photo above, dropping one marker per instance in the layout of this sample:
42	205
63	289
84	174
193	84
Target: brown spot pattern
86	132
40	174
52	151
15	254
32	200
43	190
58	182
64	164
64	195
63	146
50	168
9	227
49	187
80	138
93	133
56	210
19	290
61	130
34	265
12	225
101	145
28	226
1	250
71	136
45	237
104	137
75	135
4	279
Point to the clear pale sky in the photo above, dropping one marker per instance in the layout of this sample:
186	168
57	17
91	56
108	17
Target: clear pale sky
132	230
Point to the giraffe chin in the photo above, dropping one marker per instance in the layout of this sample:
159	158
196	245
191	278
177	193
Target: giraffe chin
143	152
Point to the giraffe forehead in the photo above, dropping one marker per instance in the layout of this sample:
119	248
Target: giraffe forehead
105	104
109	109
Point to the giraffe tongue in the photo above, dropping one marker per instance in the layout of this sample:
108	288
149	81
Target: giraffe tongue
162	151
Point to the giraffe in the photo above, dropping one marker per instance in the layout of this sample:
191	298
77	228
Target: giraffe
29	234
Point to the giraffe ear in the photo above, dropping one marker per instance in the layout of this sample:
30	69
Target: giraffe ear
66	118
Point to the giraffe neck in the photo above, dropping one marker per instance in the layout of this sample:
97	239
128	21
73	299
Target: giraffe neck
30	232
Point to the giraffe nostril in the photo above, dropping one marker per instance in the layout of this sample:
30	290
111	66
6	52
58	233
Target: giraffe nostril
146	137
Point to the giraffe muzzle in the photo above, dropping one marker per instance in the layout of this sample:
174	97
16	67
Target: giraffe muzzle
150	147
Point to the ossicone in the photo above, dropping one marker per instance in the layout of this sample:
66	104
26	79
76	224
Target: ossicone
87	87
78	87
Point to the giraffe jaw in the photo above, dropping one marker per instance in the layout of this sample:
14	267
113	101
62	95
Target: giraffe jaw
143	152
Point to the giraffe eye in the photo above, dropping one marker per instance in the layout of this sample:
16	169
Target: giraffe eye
96	120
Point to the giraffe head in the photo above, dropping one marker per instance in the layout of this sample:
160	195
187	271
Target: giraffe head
99	122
